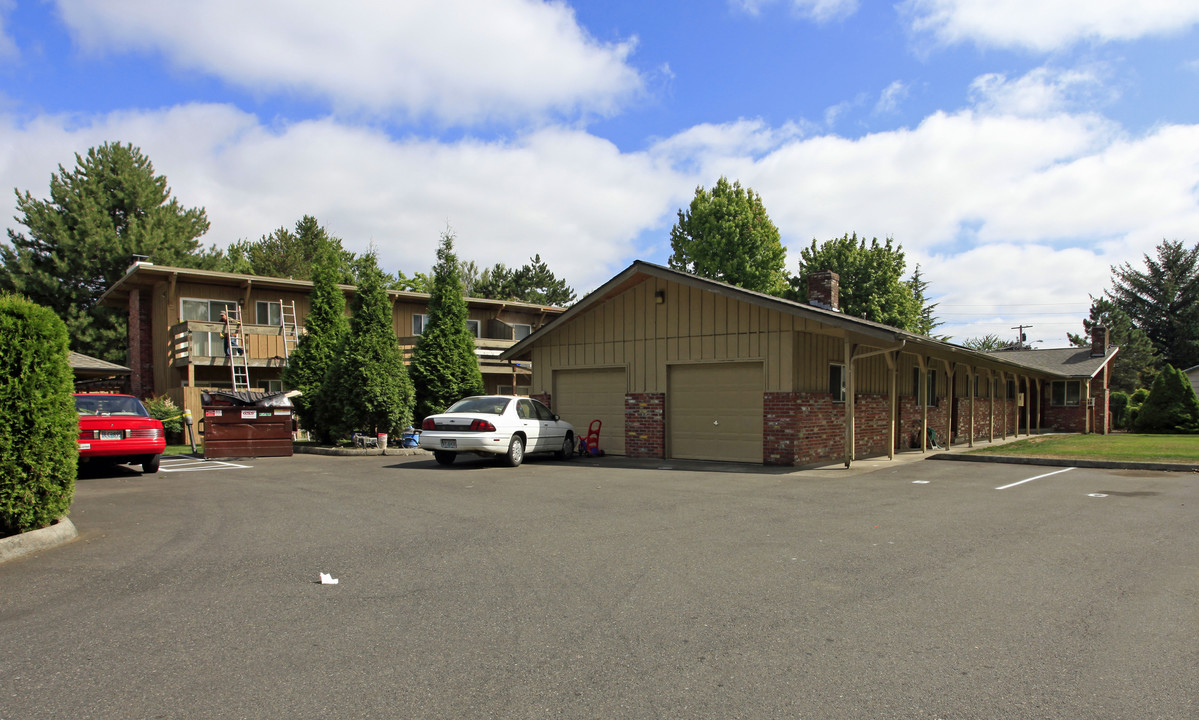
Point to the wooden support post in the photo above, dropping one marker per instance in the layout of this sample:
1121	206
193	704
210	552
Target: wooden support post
893	363
1003	386
949	368
970	385
923	400
849	403
1027	406
990	405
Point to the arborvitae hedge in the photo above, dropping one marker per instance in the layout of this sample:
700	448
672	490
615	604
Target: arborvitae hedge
1171	406
39	429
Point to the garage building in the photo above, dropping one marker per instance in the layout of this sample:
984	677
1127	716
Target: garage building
678	366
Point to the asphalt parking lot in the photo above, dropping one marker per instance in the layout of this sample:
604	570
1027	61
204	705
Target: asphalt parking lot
610	589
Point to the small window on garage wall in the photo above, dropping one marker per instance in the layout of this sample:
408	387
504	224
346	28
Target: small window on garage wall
1066	393
836	382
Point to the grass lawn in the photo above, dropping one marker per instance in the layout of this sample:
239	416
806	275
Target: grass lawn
1118	446
183	449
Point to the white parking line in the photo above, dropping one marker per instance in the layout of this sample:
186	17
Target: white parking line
1021	482
184	463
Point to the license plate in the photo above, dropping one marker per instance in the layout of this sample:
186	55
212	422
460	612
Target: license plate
449	444
112	434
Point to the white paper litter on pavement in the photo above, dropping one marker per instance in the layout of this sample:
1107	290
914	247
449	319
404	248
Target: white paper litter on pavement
328	579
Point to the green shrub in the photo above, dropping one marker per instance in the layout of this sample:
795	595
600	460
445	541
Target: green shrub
1139	396
1171	406
164	408
39	429
1118	404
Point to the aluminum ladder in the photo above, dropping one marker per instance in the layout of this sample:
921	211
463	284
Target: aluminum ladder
236	345
291	331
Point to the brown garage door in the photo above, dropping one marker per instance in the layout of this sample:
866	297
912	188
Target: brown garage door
581	396
715	411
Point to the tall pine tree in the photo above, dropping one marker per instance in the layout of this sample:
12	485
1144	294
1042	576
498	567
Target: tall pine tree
79	242
368	387
311	362
444	366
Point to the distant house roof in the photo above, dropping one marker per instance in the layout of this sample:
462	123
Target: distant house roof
1072	362
88	366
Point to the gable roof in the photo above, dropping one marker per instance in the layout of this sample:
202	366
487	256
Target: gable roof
640	271
1073	362
88	365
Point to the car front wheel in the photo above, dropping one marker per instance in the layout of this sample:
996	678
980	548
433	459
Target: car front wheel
568	448
150	465
444	458
516	451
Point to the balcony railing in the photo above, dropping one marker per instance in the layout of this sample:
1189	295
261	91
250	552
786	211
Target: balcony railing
199	342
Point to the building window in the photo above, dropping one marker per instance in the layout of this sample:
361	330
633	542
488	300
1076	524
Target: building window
473	326
1011	389
931	397
1066	393
203	344
418	323
269	313
272	386
836	382
520	332
507	390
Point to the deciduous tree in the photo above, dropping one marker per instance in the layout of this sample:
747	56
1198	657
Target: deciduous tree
726	235
289	254
872	285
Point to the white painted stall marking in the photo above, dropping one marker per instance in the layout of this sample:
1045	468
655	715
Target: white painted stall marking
1038	477
184	463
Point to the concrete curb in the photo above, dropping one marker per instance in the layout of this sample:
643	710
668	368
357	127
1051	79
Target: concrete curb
312	450
15	546
1064	462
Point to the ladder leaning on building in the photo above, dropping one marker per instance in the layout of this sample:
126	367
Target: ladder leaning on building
291	331
235	348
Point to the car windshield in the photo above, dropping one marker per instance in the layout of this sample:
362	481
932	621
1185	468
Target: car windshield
109	405
482	405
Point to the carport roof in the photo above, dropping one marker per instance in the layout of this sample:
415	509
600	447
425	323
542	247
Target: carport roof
640	271
1074	362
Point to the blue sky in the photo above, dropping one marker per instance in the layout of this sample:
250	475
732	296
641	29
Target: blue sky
1015	148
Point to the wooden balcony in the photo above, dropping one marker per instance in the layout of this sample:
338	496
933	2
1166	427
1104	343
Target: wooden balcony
198	343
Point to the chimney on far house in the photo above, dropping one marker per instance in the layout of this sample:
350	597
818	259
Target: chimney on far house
1099	338
824	290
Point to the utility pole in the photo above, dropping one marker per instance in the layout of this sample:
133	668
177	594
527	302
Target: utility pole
1021	337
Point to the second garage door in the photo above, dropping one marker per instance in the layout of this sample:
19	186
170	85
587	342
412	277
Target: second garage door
715	411
581	396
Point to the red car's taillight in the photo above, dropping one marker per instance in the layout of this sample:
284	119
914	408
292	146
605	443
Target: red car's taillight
481	426
428	424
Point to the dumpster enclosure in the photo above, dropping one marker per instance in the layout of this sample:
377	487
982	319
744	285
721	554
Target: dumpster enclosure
246	424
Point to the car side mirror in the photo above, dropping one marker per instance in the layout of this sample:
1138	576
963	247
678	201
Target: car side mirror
557	418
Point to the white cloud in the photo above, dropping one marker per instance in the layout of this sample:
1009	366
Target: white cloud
1047	25
1043	91
458	61
890	98
818	10
570	196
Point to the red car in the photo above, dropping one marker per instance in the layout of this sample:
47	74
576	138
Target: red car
117	429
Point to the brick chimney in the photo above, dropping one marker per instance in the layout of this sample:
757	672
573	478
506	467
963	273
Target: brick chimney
824	290
1099	339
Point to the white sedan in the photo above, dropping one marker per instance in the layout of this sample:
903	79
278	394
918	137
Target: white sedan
497	425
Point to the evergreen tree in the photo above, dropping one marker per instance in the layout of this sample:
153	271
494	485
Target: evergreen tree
289	254
1171	406
1163	300
726	235
368	387
109	208
872	285
308	365
444	366
1136	363
927	321
533	283
39	429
